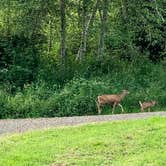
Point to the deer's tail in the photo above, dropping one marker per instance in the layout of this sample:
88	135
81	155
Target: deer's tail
140	103
141	106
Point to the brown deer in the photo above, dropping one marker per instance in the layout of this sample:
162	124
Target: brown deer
113	99
147	105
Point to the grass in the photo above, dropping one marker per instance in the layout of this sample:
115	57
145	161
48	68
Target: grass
123	143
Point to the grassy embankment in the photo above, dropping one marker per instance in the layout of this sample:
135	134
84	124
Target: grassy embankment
124	143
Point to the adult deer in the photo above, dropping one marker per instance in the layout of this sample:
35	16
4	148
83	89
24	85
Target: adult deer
147	105
113	99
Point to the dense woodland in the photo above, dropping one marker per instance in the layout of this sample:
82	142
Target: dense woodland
57	56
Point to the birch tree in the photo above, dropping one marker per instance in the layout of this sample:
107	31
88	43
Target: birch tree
63	28
85	29
103	11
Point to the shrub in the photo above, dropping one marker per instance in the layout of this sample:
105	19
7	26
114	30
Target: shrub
78	96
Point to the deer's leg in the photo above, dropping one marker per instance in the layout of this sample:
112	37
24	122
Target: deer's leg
121	107
149	109
113	109
99	109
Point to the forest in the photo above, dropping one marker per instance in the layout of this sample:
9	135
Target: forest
57	56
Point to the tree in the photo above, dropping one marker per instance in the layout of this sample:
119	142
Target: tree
63	28
103	12
85	28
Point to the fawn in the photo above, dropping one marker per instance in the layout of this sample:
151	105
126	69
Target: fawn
147	105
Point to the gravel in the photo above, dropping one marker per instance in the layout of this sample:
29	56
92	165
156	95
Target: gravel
9	126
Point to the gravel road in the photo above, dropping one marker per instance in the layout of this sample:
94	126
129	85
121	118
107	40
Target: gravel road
21	125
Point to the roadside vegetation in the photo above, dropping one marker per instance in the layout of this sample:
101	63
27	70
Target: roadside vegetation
56	57
78	96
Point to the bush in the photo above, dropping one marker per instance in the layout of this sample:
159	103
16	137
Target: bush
145	81
18	60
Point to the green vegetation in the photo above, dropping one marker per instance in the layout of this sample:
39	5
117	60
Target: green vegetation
57	56
78	96
125	143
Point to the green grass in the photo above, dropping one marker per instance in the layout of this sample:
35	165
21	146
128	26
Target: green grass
123	143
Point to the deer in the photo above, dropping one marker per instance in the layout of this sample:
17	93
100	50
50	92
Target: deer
147	105
112	99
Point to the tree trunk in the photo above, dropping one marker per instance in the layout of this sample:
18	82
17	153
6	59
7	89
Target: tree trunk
63	28
50	35
124	10
103	17
82	48
8	18
159	14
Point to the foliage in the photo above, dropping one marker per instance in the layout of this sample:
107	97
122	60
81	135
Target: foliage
123	47
78	96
